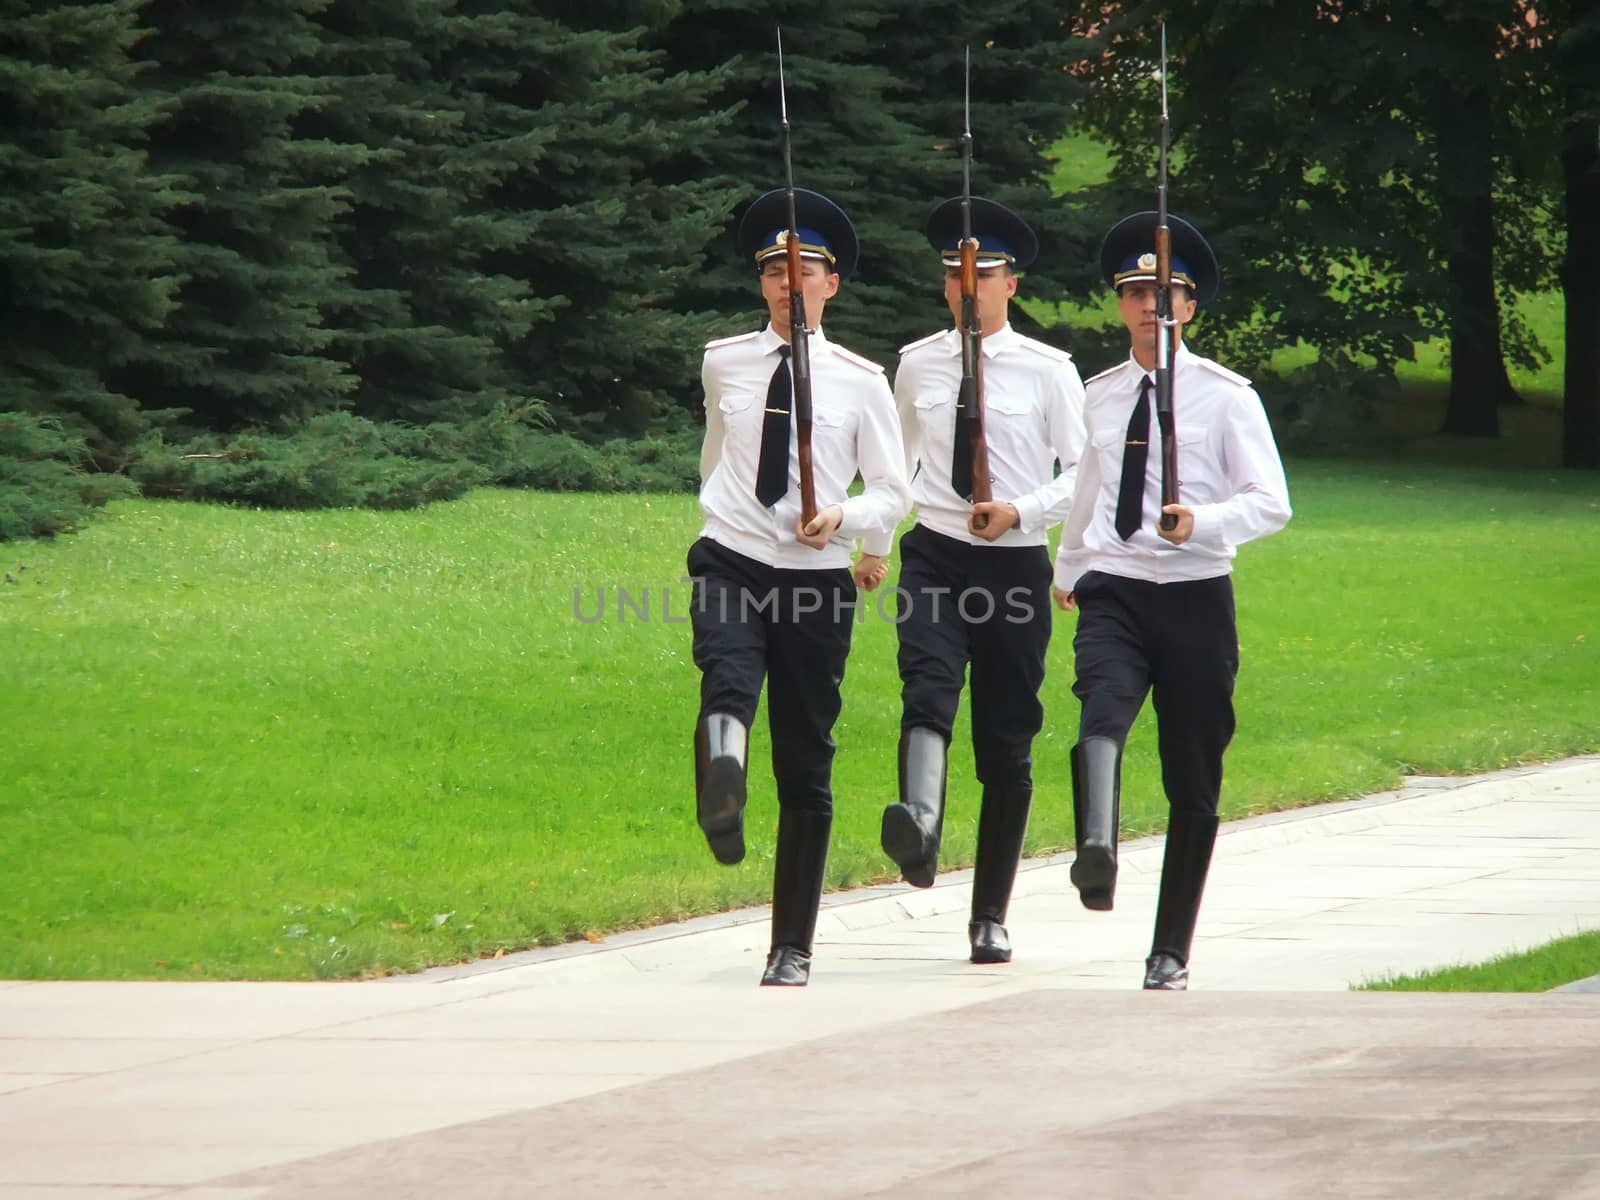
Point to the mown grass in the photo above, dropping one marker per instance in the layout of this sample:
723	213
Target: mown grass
1551	965
291	745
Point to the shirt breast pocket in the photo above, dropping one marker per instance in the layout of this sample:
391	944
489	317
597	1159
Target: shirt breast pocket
1011	406
833	446
1193	475
935	415
1108	443
831	424
742	415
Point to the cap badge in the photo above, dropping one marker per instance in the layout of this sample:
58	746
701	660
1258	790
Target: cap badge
1147	261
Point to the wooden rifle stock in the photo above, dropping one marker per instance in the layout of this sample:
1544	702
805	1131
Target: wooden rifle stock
800	374
971	397
799	346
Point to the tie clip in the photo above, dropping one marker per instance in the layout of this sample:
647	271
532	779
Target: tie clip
1127	443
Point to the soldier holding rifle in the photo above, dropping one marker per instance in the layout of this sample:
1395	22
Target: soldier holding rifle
791	418
1155	604
987	413
1149	569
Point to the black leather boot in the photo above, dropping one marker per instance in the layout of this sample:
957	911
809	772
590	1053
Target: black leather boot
802	857
720	748
1096	811
913	827
1191	837
1002	822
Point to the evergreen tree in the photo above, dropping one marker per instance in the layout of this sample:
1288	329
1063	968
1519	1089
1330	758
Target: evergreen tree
427	331
875	108
1026	59
599	197
86	261
246	343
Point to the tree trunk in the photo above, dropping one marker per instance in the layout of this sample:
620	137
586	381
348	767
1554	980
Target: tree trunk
1580	164
1478	381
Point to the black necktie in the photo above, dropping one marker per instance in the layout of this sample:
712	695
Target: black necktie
772	470
961	455
1130	496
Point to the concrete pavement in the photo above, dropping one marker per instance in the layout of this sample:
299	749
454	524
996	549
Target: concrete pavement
652	1063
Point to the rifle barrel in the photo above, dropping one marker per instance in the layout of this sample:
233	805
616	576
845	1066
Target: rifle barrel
799	345
970	396
1166	329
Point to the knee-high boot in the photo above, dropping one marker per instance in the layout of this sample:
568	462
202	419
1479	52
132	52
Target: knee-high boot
802	857
1191	836
1002	822
1096	811
720	751
912	828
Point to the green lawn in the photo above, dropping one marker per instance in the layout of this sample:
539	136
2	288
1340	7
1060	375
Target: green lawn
1563	961
290	745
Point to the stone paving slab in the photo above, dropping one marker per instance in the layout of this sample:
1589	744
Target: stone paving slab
1051	1092
240	1091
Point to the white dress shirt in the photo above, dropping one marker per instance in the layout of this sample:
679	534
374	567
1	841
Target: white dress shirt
854	428
1229	474
1033	418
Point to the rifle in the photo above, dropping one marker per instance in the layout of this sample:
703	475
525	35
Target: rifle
1166	328
799	347
969	399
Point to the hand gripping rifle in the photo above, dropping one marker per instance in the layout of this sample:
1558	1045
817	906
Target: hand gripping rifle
969	399
799	347
1166	329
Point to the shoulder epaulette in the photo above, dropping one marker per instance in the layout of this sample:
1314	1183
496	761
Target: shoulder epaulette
1106	374
1218	369
851	356
729	341
1046	349
920	342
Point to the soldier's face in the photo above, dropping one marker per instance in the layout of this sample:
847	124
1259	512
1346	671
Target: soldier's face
1136	305
817	284
996	286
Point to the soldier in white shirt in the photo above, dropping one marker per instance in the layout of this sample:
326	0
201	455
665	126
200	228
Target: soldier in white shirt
975	578
774	600
1155	606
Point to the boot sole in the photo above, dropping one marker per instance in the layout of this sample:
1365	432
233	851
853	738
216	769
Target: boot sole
903	842
721	811
1094	874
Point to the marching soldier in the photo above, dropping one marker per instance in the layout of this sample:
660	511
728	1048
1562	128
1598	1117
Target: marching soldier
975	578
1155	606
774	598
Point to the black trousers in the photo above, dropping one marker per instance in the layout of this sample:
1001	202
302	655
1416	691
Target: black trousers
987	607
792	628
1177	640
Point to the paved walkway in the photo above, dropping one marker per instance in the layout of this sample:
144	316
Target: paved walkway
652	1064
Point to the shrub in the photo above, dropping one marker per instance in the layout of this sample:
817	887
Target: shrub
336	460
45	484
